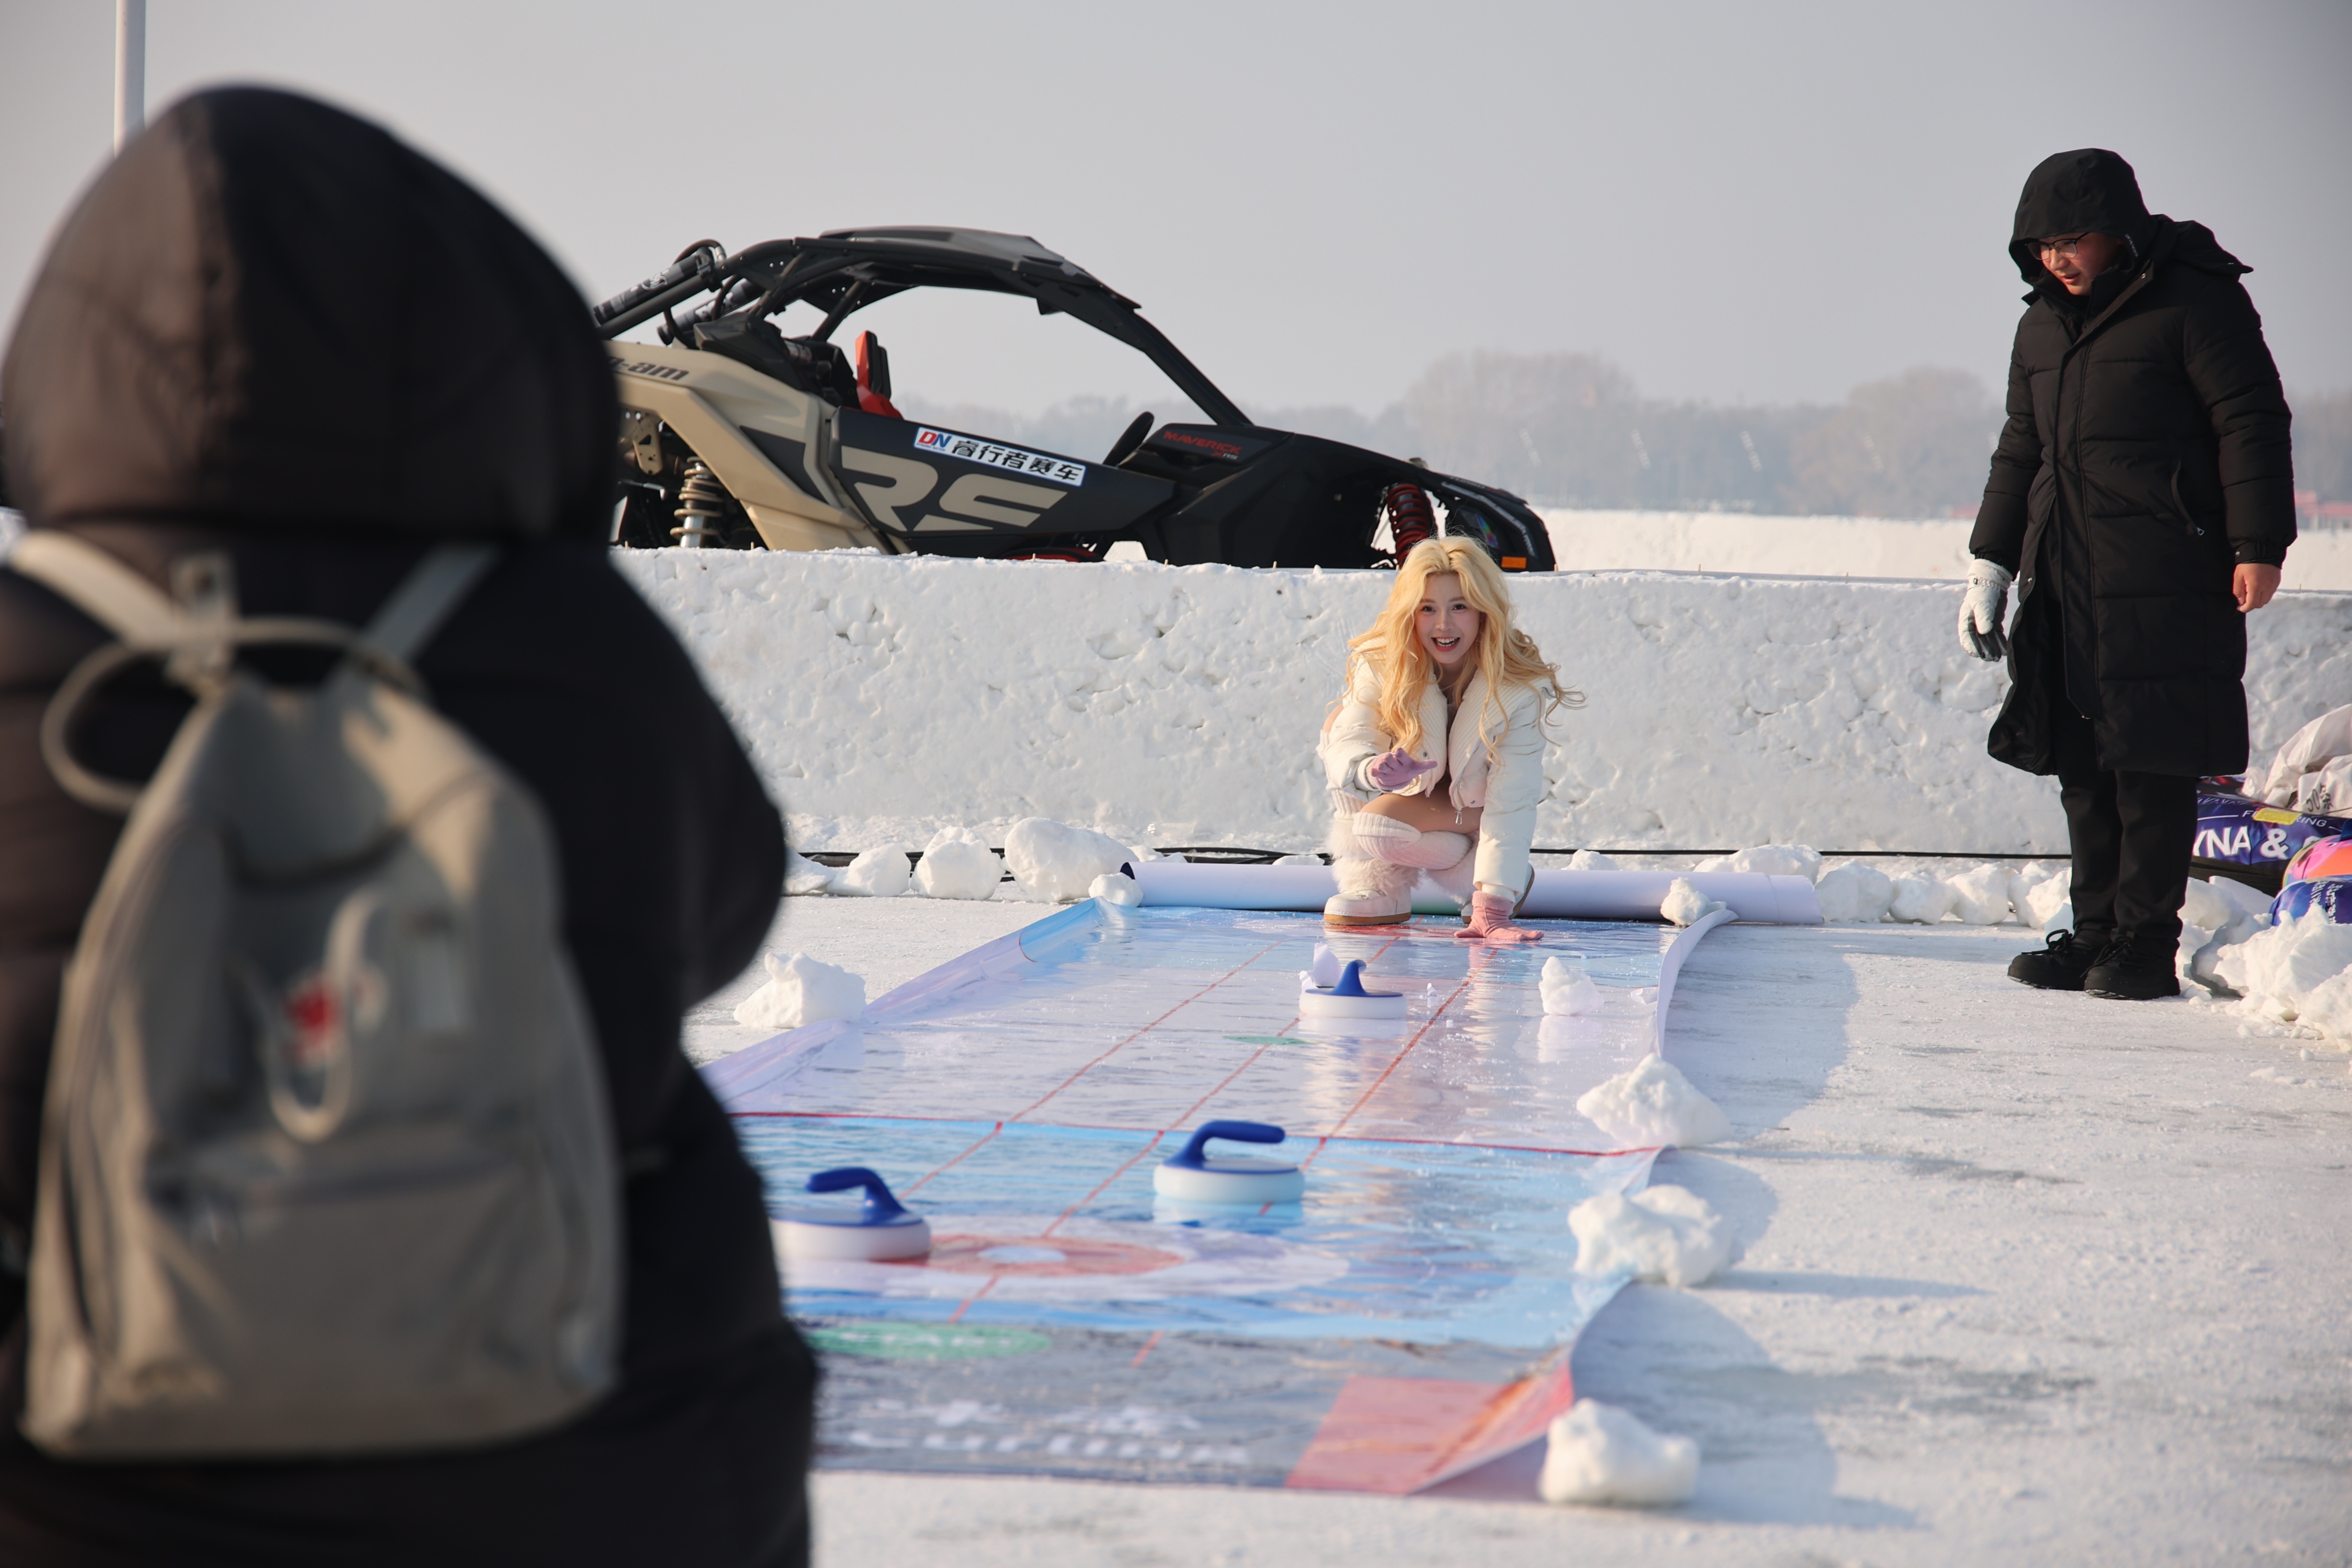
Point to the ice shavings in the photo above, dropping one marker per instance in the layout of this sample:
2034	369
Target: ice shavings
1055	861
1685	904
1567	988
876	874
1655	1105
1853	892
1666	1235
800	990
1599	1455
957	865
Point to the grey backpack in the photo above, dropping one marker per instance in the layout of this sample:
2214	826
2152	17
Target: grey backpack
326	1163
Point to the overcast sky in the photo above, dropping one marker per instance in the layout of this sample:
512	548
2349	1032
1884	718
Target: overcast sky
1735	202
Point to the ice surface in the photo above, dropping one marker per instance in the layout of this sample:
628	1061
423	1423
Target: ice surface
1980	895
1665	1234
1180	705
1116	887
1654	1104
1685	904
1054	860
1853	892
1567	989
957	865
1591	860
1598	1454
800	990
879	873
1920	900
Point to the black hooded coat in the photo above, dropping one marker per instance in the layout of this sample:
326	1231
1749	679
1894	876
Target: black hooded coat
2145	456
271	329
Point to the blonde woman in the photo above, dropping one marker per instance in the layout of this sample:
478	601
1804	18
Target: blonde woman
1434	757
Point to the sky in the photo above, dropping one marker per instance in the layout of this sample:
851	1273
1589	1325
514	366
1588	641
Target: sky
1735	203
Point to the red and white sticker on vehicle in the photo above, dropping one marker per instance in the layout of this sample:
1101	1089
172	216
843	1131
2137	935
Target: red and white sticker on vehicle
1011	459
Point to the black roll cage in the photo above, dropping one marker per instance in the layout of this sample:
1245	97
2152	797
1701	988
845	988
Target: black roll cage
845	270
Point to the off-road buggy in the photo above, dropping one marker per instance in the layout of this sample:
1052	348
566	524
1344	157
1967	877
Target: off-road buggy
735	435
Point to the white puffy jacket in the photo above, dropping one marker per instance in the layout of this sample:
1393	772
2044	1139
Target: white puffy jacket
1507	793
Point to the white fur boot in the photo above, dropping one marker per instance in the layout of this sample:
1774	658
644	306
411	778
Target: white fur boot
1373	892
1400	844
1459	880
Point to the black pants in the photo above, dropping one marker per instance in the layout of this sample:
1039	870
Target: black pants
2130	834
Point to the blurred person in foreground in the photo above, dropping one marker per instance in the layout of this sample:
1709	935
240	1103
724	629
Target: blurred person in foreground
272	329
2142	498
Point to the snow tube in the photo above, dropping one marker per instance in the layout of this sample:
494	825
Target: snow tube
2241	838
1556	895
2321	857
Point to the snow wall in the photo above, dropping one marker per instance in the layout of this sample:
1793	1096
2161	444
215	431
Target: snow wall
884	697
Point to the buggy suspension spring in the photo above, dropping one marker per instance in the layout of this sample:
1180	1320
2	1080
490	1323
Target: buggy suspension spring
1410	517
702	500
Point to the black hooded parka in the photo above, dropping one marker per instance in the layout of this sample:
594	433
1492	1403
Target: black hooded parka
270	328
2146	454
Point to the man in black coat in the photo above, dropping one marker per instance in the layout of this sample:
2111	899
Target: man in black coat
2142	498
272	329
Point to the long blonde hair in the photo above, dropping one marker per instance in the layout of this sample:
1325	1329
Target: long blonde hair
1505	656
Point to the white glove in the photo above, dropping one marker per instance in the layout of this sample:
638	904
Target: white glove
1985	608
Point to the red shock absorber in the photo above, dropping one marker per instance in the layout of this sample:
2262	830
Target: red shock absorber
1410	516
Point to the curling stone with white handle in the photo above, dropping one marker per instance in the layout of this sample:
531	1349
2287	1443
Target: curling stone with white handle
878	1229
1196	1177
1347	998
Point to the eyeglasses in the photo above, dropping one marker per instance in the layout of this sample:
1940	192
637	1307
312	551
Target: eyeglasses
2062	244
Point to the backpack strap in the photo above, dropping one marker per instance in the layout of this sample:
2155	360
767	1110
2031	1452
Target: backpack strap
426	597
101	588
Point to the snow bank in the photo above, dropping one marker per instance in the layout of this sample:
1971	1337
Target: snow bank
1654	1104
799	990
1054	860
1832	546
885	697
2296	972
957	865
1597	1453
1667	1235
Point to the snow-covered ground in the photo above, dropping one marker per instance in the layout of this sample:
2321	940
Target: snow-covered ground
887	697
1834	546
2029	1279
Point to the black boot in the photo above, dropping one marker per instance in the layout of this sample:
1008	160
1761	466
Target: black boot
2061	966
2138	966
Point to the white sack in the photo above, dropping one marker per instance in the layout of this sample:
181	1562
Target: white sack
1597	1453
1921	900
1669	1236
799	990
1655	1105
1853	892
957	865
1052	861
2309	750
876	874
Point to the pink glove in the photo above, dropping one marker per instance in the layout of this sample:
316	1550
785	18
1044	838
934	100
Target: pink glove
1394	770
1490	921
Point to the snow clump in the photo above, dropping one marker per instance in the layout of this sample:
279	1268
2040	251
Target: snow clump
1853	892
1920	900
1567	988
1597	1453
1685	904
1655	1105
1116	887
799	990
2297	972
1057	862
957	865
1980	897
1667	1235
876	874
804	877
1591	860
2039	904
1778	860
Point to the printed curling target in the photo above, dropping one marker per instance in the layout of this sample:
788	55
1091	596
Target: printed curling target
1197	1177
878	1229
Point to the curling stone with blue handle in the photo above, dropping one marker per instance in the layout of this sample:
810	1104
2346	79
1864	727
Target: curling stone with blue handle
1347	998
1196	1177
876	1230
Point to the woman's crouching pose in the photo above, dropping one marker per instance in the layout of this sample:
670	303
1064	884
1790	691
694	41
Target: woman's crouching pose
1434	757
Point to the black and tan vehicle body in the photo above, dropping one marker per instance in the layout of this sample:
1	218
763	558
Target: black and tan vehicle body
734	435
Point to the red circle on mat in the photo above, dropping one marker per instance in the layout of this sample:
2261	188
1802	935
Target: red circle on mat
1024	1256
